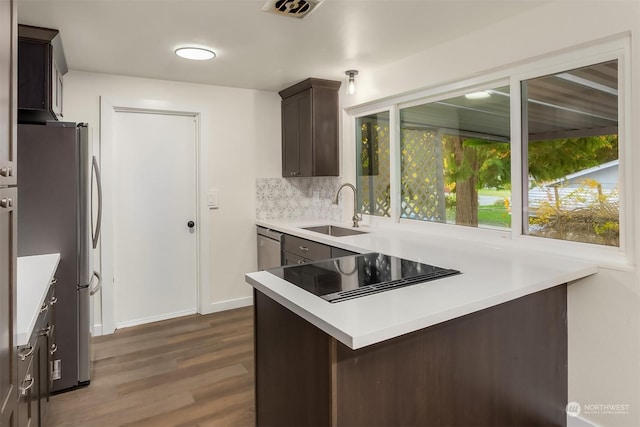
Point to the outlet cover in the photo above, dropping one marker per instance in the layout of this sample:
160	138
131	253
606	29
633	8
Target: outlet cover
56	370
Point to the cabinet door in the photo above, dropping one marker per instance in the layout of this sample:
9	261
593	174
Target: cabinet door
43	375
8	70
8	271
290	143
305	132
296	135
27	410
35	72
324	156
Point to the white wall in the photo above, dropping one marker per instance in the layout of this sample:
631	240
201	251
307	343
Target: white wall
603	310
244	144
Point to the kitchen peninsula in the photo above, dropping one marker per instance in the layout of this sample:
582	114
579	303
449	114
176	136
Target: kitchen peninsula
485	347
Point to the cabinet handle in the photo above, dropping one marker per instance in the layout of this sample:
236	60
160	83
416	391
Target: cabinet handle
6	203
44	308
26	384
53	300
53	281
54	348
303	248
44	332
6	172
23	355
300	261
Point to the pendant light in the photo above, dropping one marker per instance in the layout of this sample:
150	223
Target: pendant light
351	84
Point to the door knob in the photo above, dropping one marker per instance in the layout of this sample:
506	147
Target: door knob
191	224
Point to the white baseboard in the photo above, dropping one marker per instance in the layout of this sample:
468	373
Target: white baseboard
97	330
211	308
150	319
215	307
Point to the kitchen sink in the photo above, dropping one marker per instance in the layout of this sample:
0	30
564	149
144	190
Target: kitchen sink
335	231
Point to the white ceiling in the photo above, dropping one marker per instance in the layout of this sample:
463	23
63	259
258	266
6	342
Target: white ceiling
255	49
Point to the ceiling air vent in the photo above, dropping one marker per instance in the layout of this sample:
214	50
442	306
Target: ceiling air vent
293	8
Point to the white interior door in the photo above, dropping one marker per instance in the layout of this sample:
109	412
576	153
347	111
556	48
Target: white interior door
154	198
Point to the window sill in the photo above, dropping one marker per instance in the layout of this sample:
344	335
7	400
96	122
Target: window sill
604	256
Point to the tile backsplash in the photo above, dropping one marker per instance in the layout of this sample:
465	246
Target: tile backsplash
297	198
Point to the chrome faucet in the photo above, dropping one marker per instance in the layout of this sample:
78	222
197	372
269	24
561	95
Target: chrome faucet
356	215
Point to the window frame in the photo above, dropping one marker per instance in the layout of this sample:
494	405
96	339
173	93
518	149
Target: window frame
392	157
454	92
587	250
616	48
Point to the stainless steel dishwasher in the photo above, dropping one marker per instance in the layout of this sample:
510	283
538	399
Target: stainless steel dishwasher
269	252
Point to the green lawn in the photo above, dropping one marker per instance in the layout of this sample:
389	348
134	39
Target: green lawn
491	215
496	216
495	193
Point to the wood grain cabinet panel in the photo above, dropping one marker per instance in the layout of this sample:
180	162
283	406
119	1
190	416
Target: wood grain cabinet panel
8	213
310	129
8	277
502	366
293	368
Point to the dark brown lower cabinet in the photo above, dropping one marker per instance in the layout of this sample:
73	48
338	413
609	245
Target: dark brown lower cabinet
8	279
502	366
34	367
28	362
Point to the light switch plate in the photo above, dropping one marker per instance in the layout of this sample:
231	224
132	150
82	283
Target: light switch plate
213	199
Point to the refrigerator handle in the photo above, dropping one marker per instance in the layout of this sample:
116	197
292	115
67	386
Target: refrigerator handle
95	233
98	286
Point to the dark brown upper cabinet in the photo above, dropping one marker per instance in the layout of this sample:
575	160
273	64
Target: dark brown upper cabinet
310	128
41	65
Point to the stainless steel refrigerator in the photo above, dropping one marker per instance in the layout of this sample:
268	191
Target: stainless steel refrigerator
56	183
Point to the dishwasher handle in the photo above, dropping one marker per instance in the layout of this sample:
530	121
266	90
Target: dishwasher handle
270	234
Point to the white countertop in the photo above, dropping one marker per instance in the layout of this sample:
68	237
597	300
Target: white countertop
34	276
490	276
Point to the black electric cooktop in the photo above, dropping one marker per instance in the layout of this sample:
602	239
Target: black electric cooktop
355	276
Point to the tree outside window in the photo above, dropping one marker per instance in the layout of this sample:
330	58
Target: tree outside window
455	158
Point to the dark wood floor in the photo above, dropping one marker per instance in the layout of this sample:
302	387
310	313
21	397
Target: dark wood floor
191	371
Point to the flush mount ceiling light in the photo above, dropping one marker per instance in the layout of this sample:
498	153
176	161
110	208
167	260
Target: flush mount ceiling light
195	53
351	85
478	95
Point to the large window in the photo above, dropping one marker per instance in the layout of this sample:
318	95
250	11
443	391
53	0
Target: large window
456	160
571	140
454	165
